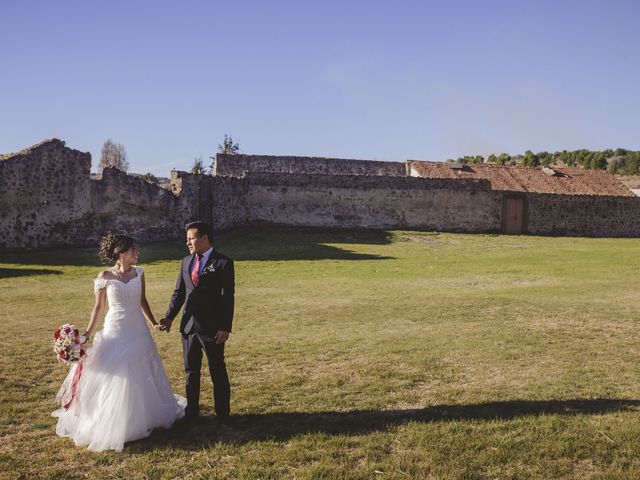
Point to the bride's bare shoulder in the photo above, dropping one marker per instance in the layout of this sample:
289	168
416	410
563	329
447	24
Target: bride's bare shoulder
106	275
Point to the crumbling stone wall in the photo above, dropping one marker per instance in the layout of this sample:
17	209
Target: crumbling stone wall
47	200
238	165
370	202
45	196
124	203
229	200
583	215
193	194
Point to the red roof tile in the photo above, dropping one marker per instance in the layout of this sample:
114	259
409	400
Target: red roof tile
566	181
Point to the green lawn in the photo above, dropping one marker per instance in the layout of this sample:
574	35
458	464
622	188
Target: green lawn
362	355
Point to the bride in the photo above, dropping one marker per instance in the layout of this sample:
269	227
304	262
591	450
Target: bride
120	392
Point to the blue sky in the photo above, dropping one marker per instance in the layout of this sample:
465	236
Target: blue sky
383	80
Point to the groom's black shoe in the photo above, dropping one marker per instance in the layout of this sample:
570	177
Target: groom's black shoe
186	421
193	412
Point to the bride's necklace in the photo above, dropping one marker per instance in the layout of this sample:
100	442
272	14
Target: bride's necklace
122	276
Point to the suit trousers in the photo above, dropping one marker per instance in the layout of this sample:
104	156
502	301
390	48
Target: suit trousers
192	346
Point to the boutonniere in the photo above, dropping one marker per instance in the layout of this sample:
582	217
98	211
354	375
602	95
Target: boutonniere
208	269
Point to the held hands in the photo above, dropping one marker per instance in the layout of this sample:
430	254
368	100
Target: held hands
163	326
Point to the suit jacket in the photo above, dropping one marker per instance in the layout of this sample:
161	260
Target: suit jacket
209	305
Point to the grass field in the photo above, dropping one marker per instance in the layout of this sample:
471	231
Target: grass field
362	355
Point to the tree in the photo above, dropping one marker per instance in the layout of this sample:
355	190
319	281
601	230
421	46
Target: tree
630	164
113	155
530	159
150	177
198	167
471	159
227	146
503	159
600	162
620	152
561	157
545	158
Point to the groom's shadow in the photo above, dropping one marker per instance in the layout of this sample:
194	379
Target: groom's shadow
284	426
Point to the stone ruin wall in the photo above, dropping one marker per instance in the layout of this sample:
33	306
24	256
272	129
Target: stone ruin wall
337	196
47	200
329	192
583	215
229	202
238	165
127	204
349	201
45	196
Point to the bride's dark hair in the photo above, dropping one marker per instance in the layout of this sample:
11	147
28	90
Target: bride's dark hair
112	245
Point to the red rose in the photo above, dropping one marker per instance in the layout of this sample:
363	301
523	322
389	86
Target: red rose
56	334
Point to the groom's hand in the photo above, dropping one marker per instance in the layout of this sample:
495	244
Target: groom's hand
221	336
165	324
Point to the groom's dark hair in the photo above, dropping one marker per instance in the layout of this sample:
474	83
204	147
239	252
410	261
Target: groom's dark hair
203	228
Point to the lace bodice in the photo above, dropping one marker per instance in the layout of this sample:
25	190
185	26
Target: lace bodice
120	295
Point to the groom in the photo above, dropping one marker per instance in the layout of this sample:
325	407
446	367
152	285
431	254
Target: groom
205	286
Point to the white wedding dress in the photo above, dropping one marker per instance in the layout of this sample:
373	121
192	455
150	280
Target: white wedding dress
123	392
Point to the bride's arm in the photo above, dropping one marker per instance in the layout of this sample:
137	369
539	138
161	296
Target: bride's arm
96	313
146	310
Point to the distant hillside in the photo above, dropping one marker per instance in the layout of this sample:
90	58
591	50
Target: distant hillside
619	161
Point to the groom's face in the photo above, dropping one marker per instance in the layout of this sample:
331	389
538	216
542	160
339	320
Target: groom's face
195	243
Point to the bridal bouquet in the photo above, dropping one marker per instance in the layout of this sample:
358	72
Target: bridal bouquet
67	344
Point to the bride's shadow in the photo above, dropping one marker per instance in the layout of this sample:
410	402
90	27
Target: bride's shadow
283	426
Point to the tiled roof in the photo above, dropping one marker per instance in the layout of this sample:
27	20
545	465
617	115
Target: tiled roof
561	180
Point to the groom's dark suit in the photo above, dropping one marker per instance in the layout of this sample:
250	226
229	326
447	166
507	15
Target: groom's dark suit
208	307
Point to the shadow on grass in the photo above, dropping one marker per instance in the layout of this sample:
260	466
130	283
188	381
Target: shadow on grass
284	426
241	244
25	272
300	244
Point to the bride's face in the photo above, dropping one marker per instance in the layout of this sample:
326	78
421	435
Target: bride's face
130	257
